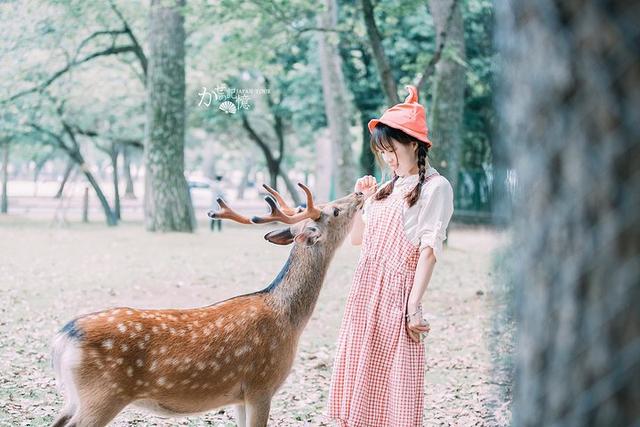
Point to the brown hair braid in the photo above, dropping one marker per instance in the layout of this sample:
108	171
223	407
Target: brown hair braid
381	139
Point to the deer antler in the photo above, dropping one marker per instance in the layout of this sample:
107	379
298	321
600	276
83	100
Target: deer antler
283	205
226	212
284	213
278	215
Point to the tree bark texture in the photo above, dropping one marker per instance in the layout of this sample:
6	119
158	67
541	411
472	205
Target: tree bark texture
167	200
337	109
445	123
568	101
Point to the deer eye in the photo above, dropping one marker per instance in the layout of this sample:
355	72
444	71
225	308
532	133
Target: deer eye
336	211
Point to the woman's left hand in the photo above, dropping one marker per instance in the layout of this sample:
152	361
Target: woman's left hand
417	325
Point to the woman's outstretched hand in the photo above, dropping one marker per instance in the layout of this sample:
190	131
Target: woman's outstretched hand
367	185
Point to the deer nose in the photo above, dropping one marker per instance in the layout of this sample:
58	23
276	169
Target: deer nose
359	193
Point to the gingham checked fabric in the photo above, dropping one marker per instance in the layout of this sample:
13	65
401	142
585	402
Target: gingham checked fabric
378	371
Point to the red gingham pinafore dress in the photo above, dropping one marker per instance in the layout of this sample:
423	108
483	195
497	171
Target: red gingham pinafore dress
378	371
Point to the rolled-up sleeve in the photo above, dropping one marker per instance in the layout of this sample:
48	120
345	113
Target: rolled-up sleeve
434	216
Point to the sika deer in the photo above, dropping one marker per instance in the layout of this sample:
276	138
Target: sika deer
185	361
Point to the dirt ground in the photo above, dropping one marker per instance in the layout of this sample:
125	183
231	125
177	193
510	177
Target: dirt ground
48	275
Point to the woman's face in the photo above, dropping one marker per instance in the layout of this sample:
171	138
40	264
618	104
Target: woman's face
404	161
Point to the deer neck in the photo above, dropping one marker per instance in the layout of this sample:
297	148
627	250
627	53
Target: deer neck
294	292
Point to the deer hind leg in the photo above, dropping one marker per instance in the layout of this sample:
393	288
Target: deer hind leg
258	412
241	415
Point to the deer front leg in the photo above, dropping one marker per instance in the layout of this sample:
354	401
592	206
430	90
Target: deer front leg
96	412
258	412
64	416
241	415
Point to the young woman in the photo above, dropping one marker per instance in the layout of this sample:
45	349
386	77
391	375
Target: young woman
378	373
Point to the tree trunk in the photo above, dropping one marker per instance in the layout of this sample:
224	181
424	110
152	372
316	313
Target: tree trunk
293	189
367	159
113	155
448	89
387	80
568	101
246	170
77	157
129	192
4	204
336	102
167	200
67	173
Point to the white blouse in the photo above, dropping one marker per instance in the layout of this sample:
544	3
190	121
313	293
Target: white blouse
426	222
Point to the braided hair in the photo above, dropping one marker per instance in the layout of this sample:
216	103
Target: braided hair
381	139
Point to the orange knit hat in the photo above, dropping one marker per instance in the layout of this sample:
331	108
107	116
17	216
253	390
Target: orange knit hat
408	117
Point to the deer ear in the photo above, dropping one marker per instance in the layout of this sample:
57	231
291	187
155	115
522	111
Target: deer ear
309	236
282	236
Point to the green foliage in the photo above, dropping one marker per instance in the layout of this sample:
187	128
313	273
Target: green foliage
244	44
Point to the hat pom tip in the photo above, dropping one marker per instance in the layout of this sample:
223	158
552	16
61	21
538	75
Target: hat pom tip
413	94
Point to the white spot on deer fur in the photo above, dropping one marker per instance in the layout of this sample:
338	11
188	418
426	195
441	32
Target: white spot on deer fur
187	360
193	375
161	381
114	385
184	317
153	366
194	386
256	339
108	344
181	332
227	359
137	326
214	366
172	317
155	329
141	345
139	363
163	349
147	337
129	312
197	323
172	331
129	371
116	311
119	360
242	350
124	347
163	325
201	366
185	382
110	319
139	382
219	322
102	314
122	328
